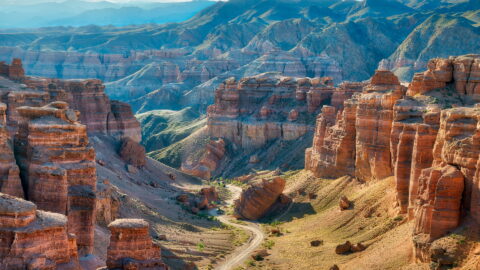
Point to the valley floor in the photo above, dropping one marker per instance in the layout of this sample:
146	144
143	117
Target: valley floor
372	220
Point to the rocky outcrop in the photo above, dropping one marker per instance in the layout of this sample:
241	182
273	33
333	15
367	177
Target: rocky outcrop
107	204
98	113
269	109
132	152
256	110
363	127
57	166
33	239
374	124
256	200
131	246
427	138
10	182
208	163
14	71
333	150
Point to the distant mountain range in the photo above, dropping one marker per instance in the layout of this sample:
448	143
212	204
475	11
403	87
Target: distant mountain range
33	14
177	65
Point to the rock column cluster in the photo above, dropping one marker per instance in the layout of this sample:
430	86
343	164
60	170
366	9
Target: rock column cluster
426	137
131	246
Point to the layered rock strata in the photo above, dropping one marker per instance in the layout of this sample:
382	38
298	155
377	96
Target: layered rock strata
57	166
363	127
255	110
33	239
131	246
209	162
14	71
99	113
427	138
262	110
258	199
10	182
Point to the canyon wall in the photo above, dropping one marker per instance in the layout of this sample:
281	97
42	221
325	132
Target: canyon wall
254	112
426	137
47	159
34	239
131	246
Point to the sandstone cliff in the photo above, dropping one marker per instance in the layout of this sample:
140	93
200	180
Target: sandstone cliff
57	166
34	239
425	137
258	112
46	155
131	246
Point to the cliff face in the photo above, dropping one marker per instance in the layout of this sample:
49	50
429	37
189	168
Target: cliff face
99	114
34	239
47	159
426	137
57	166
131	246
255	112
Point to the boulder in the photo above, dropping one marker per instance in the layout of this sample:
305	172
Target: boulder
132	152
256	200
344	203
343	248
316	243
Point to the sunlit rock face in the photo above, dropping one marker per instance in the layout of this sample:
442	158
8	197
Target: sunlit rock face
254	112
34	239
47	159
57	166
99	113
131	246
255	201
426	137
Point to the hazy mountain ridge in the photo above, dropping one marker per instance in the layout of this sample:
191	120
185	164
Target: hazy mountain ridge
79	13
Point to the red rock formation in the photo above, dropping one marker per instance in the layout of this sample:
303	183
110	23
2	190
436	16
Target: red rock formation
374	124
333	151
463	70
10	182
16	71
34	239
345	91
208	163
58	166
256	110
255	201
132	152
356	141
107	204
131	246
439	201
422	153
98	113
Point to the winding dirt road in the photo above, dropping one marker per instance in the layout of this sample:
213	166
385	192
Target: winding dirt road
242	253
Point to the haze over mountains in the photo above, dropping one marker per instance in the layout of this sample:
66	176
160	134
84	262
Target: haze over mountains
32	14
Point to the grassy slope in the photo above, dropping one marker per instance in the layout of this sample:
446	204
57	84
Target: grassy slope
162	128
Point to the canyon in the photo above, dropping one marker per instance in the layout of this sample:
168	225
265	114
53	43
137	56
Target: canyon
423	136
258	134
59	138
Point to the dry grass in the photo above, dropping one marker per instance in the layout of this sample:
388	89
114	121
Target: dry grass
373	221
